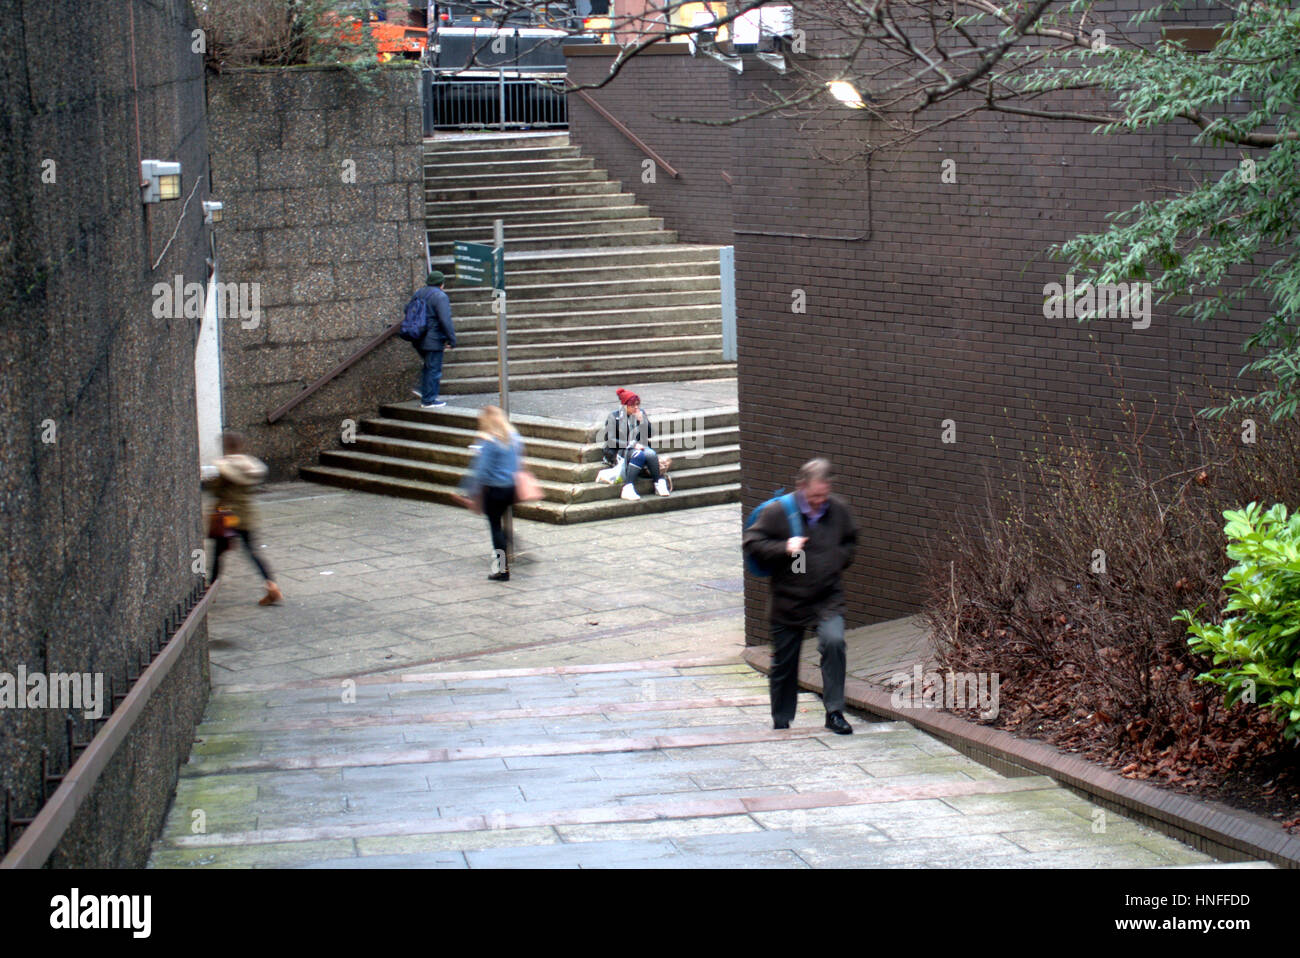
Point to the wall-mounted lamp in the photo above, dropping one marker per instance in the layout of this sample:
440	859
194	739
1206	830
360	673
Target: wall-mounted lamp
160	180
212	211
846	93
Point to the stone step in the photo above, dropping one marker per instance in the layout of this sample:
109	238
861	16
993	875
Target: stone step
435	172
455	460
536	180
482	232
521	354
582	240
536	427
513	153
511	220
545	511
615	279
469	335
524	318
664	374
574	262
617	295
448	444
499	193
494	141
395	458
648	363
502	207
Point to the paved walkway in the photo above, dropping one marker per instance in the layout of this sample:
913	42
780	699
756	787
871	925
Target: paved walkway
589	405
594	711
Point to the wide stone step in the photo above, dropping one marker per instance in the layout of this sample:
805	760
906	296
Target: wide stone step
488	155
615	294
521	354
482	232
573	263
537	427
498	193
525	319
546	511
531	428
436	171
456	459
446	465
494	141
664	374
455	370
468	335
583	240
441	437
513	220
538	179
584	284
502	207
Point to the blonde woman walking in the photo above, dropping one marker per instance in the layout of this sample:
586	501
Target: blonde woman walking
489	486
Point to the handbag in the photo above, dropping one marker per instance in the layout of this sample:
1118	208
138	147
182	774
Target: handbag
527	488
221	524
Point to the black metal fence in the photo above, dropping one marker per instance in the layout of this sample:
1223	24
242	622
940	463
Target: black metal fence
457	102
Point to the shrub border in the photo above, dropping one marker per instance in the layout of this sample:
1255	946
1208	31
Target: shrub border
1210	827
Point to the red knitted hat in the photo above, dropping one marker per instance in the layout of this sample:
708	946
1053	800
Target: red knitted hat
628	398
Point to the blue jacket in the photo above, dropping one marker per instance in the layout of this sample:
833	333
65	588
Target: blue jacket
495	464
441	332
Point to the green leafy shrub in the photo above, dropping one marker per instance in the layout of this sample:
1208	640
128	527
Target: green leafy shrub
1256	645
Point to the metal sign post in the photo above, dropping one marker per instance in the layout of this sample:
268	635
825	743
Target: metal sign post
479	265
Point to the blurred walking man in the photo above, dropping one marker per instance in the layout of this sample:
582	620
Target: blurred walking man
805	588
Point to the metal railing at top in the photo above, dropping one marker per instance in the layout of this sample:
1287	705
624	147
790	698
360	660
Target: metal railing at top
458	101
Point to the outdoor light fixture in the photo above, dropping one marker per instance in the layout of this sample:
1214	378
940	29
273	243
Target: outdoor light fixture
160	180
846	93
212	211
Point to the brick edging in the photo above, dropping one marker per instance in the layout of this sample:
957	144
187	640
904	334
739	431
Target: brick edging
1213	828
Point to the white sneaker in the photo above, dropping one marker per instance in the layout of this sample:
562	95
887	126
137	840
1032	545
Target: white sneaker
607	475
661	487
629	492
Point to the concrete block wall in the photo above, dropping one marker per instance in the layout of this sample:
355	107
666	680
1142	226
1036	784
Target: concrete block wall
99	491
323	183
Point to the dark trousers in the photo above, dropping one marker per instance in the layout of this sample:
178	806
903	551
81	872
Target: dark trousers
496	500
227	542
784	681
431	376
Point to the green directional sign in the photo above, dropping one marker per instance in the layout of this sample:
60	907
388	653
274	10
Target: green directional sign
479	265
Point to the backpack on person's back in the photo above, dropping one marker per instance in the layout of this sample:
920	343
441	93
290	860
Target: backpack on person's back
415	322
792	516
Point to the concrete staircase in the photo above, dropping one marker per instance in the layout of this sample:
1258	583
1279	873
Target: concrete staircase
667	763
422	454
599	293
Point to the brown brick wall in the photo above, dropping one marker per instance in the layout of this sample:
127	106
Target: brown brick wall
924	299
697	203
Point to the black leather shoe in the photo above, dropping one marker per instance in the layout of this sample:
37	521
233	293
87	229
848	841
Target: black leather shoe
500	576
835	722
780	725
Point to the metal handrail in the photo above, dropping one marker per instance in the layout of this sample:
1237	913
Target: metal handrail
640	144
280	411
43	834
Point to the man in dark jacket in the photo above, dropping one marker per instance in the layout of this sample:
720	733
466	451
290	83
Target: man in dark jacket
441	334
806	590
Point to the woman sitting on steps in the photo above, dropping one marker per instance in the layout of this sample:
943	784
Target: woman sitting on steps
627	449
